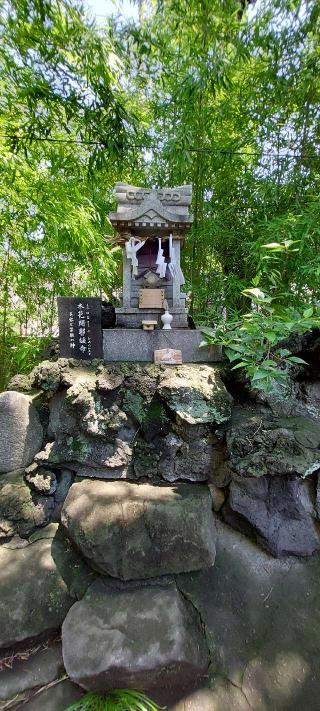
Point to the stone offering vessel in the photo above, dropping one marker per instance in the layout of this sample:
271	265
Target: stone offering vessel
166	318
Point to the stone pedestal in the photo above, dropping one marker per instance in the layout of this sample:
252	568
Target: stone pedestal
134	344
133	317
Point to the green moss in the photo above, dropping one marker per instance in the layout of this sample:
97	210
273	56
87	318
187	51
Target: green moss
133	405
78	445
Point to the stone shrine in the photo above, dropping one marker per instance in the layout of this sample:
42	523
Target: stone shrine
151	226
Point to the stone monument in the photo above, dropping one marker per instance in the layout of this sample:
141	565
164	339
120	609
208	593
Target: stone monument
151	226
80	333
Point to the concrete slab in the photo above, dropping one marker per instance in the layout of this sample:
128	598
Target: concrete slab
136	345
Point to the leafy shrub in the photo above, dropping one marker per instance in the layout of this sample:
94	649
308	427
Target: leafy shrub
20	355
115	700
254	341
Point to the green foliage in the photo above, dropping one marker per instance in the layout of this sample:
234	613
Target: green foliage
254	342
116	700
223	95
20	355
234	98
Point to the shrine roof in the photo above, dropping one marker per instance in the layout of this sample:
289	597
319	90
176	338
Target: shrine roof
148	208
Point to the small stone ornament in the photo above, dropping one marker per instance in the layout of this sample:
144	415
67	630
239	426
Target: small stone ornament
149	325
166	318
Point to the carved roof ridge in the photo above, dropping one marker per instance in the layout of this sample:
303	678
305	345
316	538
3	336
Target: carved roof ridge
140	211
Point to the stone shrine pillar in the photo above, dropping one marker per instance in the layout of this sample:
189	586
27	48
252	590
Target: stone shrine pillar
151	226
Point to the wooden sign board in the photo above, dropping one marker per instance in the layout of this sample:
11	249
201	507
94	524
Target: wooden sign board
80	333
151	298
168	356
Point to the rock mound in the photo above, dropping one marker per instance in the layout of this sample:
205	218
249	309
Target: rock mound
125	421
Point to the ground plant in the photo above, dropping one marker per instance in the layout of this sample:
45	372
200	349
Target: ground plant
116	700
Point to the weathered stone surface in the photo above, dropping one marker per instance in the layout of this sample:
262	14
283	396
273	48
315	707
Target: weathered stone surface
60	419
218	497
21	510
92	431
48	375
281	510
21	431
223	696
262	619
15	541
57	698
109	380
52	376
127	421
172	457
41	480
196	394
64	481
20	382
38	585
145	638
260	444
135	531
38	669
89	457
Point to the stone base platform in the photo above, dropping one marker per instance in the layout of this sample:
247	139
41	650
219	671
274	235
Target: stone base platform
133	317
134	344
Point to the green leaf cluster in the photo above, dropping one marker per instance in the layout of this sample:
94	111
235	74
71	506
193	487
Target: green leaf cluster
254	342
115	700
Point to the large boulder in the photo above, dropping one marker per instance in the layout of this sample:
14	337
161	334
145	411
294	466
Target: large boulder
281	511
260	444
93	426
135	531
142	638
196	394
21	509
173	455
38	585
21	431
261	617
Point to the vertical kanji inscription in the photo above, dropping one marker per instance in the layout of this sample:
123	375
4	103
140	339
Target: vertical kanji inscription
80	332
